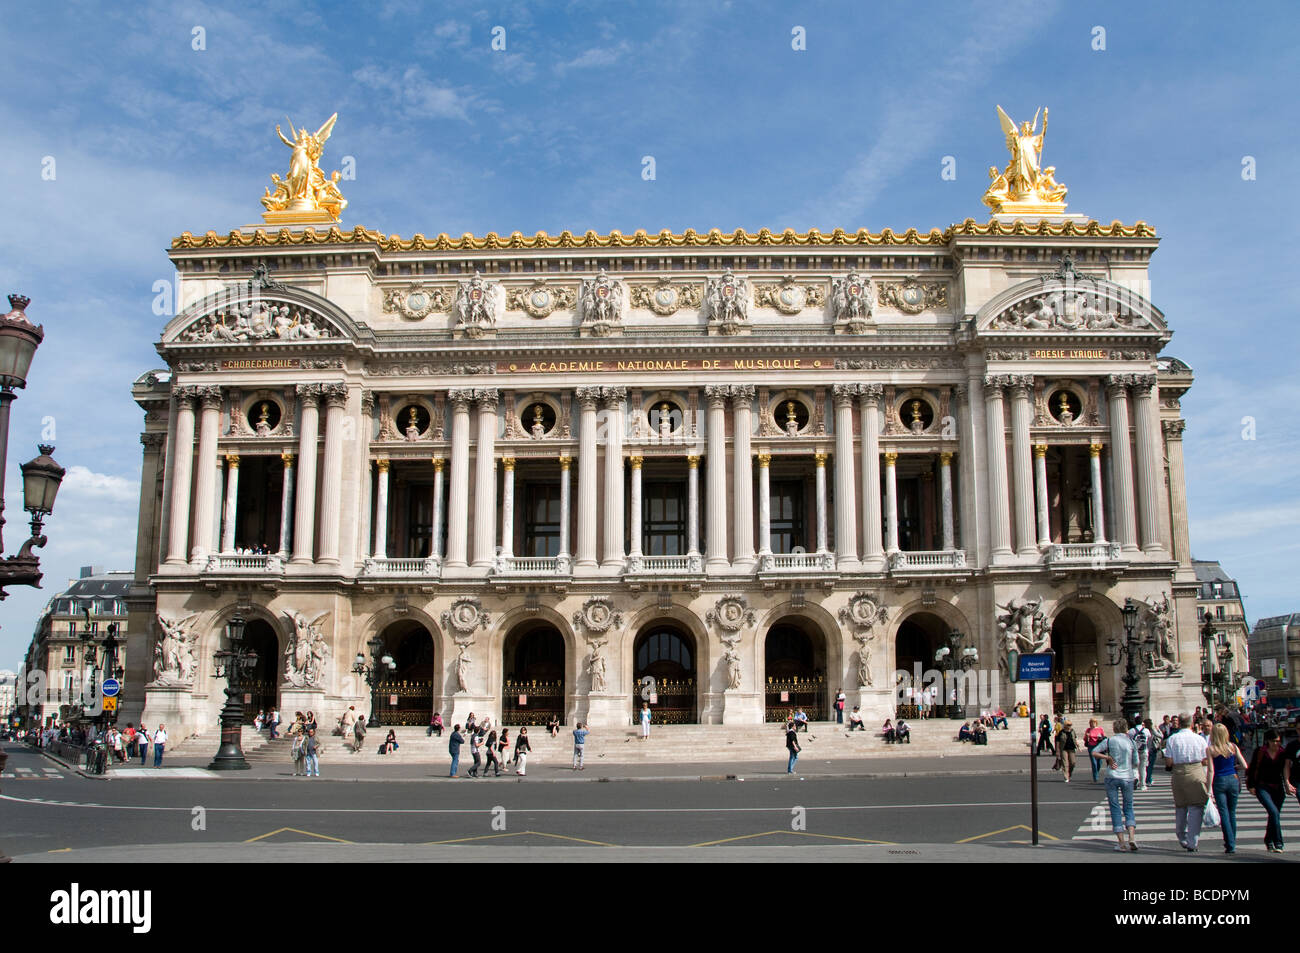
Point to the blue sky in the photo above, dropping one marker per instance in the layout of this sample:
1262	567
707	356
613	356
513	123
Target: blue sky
150	137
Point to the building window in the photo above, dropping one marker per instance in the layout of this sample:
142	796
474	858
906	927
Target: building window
69	654
419	522
541	519
663	517
1218	613
1200	613
787	524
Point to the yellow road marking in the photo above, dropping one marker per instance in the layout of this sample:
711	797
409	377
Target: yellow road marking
1016	827
466	840
854	840
294	830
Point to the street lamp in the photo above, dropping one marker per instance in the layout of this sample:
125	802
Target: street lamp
1133	701
19	339
233	663
950	658
382	665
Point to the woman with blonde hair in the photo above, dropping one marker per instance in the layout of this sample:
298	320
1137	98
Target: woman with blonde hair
1121	756
1227	758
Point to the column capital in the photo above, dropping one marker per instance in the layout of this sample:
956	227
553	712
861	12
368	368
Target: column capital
891	458
945	458
1116	384
1094	450
693	461
843	394
185	393
871	393
1021	385
993	384
635	462
741	394
334	394
717	394
613	396
508	463
1040	450
1173	428
438	464
209	396
764	458
1143	384
153	442
382	464
486	398
308	393
232	461
459	398
587	397
367	402
820	456
565	462
287	459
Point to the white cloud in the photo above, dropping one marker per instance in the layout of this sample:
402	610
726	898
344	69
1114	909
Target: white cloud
596	56
85	484
414	94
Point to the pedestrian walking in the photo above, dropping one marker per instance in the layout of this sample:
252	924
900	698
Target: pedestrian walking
358	733
493	761
159	744
1066	746
522	747
1185	757
1091	738
1045	737
1291	769
1120	755
1227	759
840	699
792	745
453	748
645	721
476	750
143	739
1264	779
275	723
1149	743
579	746
311	754
296	751
503	745
347	721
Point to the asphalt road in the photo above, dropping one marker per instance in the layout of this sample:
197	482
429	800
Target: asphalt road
44	816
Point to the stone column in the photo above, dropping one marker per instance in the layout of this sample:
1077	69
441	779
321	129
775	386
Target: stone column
742	400
634	513
564	506
232	502
716	557
846	516
614	554
693	504
1121	460
1098	497
945	493
485	478
331	484
286	506
1040	495
891	502
507	507
182	467
219	502
999	511
820	458
458	480
873	547
764	503
1022	480
381	510
1150	465
205	507
304	521
586	554
1173	432
435	534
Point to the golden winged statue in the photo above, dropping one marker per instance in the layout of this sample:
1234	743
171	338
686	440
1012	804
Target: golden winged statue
305	194
1025	185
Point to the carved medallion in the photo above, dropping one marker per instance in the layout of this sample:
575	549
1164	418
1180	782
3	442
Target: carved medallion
730	613
465	615
912	297
863	612
597	615
417	302
788	297
540	299
665	298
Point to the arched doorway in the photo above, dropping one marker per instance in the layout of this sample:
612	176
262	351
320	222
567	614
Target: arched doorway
262	684
1076	683
919	637
532	667
411	684
664	673
794	654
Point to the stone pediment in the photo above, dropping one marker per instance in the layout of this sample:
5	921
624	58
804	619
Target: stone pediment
260	314
1070	304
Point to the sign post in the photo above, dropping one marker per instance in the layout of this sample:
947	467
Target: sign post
1033	669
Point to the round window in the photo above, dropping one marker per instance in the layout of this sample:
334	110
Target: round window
264	416
665	418
412	421
790	415
1065	406
538	418
917	414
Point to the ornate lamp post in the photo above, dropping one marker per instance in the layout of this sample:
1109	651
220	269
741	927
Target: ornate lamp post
950	658
19	339
375	674
233	664
1133	702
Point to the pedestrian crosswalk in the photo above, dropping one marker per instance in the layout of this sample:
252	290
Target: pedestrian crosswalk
1153	810
30	774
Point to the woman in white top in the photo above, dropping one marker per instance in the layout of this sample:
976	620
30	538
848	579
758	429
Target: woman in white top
1119	753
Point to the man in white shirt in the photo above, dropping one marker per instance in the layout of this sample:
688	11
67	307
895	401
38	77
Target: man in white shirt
143	738
1185	756
159	743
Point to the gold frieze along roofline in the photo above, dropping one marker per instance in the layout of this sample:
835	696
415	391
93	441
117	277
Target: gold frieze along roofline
713	238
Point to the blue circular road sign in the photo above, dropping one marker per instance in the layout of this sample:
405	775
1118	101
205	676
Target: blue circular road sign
111	687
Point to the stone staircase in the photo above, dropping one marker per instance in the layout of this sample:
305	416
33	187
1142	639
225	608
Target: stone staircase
667	744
